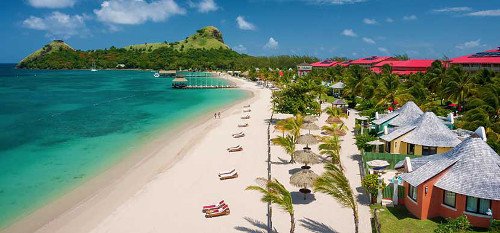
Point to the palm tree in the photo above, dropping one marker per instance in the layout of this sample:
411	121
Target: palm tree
331	148
460	85
335	112
280	126
293	125
334	183
390	91
275	193
335	129
287	143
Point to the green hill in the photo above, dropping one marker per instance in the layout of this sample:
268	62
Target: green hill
206	38
54	46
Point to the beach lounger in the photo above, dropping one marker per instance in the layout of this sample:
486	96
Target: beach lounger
246	106
229	176
216	209
235	149
226	172
245	117
247	110
218	212
243	125
238	135
214	206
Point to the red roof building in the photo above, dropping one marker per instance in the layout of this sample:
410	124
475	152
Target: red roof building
404	67
324	64
371	61
489	59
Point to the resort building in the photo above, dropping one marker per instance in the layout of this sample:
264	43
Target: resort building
464	180
303	69
426	135
489	59
405	115
369	62
404	67
324	64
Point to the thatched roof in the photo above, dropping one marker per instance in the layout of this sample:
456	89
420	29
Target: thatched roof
307	139
303	178
310	126
332	119
306	157
310	119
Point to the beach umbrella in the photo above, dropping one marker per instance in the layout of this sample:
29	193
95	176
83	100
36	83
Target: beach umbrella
309	126
310	119
307	139
332	120
375	143
306	157
303	179
378	164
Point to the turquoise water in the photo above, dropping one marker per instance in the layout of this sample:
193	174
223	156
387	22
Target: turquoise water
58	128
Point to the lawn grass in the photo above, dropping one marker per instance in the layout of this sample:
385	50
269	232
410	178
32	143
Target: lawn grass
399	220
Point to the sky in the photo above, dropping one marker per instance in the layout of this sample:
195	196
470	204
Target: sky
320	28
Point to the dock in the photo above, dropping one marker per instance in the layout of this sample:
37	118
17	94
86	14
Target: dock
205	82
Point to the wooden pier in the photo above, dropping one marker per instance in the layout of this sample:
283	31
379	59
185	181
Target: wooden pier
205	82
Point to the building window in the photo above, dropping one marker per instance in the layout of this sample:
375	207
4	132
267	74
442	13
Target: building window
449	198
477	205
412	192
411	149
429	150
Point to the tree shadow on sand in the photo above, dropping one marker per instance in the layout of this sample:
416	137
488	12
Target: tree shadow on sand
298	198
294	170
315	226
281	161
260	226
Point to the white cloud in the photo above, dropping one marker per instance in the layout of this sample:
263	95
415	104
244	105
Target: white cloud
469	44
204	6
370	21
243	24
271	44
58	25
389	20
240	48
384	50
137	11
334	2
410	17
452	9
368	40
485	13
52	3
348	32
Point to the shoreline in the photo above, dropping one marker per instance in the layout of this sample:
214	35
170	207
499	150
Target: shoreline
126	177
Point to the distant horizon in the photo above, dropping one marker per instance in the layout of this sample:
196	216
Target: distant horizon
318	28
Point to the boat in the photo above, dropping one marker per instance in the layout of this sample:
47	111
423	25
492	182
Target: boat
157	75
93	67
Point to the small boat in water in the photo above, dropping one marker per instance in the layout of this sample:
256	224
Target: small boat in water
157	75
93	67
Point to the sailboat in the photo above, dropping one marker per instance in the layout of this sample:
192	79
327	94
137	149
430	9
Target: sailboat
93	67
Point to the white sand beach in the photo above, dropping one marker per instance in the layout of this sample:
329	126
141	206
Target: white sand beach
166	190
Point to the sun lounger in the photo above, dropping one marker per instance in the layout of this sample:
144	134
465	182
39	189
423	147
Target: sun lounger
216	209
226	172
235	148
246	106
238	135
245	117
229	176
218	212
214	206
247	110
243	125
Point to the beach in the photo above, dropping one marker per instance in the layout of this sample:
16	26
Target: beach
162	187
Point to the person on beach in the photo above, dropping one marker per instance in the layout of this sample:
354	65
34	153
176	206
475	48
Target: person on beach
219	115
215	115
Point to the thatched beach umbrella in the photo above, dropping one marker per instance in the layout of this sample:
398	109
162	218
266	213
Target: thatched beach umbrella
310	119
334	120
306	157
303	179
310	126
307	139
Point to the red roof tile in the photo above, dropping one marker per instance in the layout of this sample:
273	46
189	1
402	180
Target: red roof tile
369	60
326	63
479	58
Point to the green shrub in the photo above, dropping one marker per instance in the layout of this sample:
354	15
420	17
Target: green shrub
371	185
460	224
495	226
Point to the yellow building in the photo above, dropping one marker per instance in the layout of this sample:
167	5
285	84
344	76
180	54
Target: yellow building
427	136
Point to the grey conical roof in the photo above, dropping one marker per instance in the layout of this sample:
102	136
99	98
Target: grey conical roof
472	168
407	114
430	131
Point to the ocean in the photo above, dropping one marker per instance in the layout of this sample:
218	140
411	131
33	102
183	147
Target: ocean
59	128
